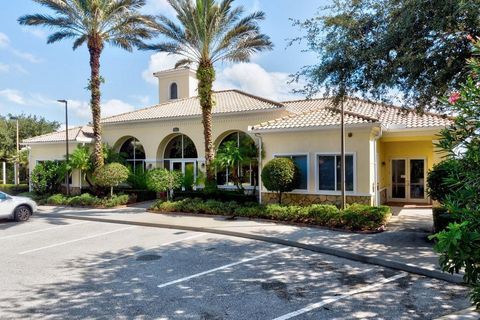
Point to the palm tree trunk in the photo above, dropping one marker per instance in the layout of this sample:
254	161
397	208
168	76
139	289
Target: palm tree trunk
206	77
95	47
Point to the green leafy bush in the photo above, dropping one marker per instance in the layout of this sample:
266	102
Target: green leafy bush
364	217
47	177
442	218
440	177
163	180
357	217
57	199
87	200
217	194
325	214
279	175
14	189
111	175
138	180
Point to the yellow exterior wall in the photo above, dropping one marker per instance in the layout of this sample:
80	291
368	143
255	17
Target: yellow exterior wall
53	151
325	141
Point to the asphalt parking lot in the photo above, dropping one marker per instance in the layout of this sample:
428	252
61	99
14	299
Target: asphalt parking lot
55	268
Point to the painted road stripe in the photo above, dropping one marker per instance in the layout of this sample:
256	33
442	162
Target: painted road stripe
147	249
322	303
75	240
42	230
163	285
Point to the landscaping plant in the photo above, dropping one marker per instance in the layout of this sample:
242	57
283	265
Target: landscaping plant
111	175
47	177
279	175
459	244
96	23
210	31
163	180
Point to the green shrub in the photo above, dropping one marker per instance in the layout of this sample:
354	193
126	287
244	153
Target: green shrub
365	217
279	175
57	199
14	189
111	175
138	180
114	201
47	177
442	218
355	217
216	194
85	200
163	180
325	214
439	179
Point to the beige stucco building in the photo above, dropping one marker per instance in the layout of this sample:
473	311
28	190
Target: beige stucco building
389	150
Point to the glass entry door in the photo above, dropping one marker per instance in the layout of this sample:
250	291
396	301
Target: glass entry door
408	180
188	168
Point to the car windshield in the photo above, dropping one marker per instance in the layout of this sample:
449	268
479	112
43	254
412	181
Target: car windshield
3	196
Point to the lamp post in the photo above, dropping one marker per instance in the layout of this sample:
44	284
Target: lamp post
66	144
16	158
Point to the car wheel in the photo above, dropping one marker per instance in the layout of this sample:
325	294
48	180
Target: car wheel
22	213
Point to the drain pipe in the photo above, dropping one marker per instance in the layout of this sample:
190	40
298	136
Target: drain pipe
375	175
260	145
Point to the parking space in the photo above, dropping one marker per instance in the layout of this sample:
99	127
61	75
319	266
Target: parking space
55	268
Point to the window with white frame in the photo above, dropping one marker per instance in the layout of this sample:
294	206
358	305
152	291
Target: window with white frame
329	173
301	161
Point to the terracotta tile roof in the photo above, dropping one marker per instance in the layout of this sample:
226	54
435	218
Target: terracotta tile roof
319	117
388	115
230	101
77	134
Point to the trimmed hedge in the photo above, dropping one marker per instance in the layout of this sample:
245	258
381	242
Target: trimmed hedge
356	217
13	189
87	200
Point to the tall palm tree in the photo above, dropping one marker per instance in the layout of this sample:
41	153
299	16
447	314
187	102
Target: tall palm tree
210	31
95	22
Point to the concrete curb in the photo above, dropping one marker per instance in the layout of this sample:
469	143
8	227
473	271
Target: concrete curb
466	314
410	268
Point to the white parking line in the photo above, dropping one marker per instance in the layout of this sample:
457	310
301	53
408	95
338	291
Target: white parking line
147	249
42	230
322	303
163	285
75	240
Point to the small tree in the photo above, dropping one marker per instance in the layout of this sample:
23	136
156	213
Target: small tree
163	180
229	156
80	159
47	177
111	175
279	175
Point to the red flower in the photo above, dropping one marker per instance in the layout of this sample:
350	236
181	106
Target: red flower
454	97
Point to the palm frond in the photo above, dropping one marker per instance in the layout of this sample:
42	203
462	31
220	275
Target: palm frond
57	36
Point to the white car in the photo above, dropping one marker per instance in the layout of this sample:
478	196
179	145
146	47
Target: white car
17	208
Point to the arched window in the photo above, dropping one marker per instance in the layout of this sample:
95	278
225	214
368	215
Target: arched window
180	147
173	91
133	152
247	171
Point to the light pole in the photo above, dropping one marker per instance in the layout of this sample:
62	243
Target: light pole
17	156
66	144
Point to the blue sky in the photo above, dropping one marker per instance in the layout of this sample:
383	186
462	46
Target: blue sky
33	74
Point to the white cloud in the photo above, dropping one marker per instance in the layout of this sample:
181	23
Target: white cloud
5	44
157	7
14	96
82	109
143	100
4	40
4	67
114	106
254	79
158	62
37	33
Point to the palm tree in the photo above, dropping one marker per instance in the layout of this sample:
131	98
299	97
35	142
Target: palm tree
95	22
210	31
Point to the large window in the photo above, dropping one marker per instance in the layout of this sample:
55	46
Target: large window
247	172
134	153
329	173
180	147
301	161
